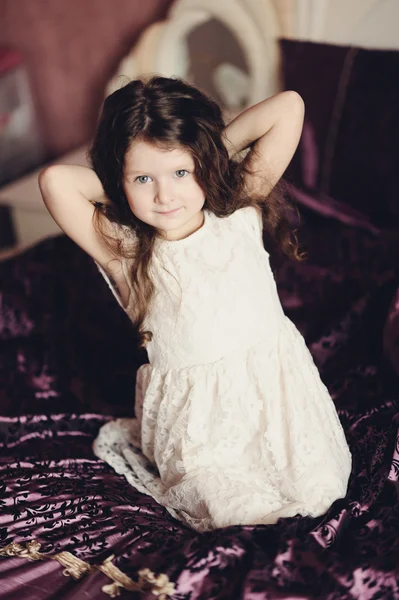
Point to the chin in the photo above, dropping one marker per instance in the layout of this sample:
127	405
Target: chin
174	222
172	227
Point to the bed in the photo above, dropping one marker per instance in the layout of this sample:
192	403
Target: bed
72	528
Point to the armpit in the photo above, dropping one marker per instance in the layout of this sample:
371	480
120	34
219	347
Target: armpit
118	286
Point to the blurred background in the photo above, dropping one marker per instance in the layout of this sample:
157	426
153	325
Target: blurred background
60	58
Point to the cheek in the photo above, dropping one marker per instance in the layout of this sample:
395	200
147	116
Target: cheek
137	200
199	194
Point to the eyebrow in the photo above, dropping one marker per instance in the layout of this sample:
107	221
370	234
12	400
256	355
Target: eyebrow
182	166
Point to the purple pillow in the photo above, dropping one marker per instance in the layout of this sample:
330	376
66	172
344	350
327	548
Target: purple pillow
348	157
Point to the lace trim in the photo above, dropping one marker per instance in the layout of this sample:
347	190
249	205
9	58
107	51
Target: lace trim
159	585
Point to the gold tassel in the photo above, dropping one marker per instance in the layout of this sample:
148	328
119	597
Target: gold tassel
31	551
159	585
76	568
162	587
112	589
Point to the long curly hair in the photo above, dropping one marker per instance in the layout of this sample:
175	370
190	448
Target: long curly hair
170	112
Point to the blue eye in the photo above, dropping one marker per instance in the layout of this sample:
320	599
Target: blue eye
141	176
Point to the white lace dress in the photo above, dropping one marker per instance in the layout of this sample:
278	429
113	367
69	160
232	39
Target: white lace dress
233	423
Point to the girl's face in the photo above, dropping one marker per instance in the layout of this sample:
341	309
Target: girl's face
161	189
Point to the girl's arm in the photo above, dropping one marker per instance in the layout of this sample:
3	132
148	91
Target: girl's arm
67	192
273	127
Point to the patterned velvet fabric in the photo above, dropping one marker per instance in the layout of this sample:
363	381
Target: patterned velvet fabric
68	364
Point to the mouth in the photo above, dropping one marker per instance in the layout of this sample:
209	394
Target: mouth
170	212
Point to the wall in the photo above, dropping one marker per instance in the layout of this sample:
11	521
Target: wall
71	48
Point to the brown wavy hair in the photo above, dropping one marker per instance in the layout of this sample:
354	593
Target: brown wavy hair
170	112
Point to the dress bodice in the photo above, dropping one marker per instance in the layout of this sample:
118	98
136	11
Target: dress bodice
214	292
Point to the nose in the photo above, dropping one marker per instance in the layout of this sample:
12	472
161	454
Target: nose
164	194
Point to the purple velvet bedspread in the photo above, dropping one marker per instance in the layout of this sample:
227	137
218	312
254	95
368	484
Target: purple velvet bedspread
67	365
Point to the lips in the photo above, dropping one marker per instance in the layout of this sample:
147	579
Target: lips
170	212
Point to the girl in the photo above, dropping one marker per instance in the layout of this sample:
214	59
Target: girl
232	422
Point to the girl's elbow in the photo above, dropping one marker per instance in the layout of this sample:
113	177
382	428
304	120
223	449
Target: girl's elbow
45	176
294	97
297	103
47	180
295	110
43	180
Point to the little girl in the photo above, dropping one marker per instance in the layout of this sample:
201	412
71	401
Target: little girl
233	425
